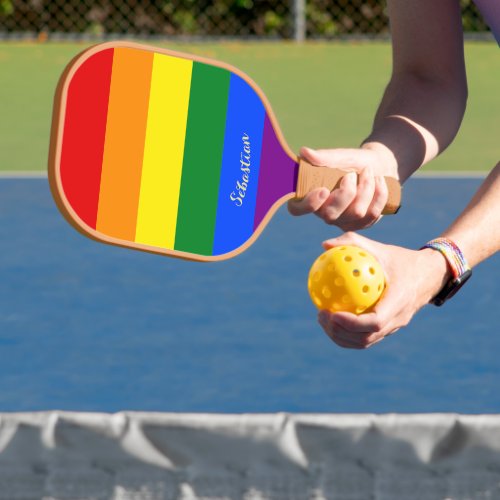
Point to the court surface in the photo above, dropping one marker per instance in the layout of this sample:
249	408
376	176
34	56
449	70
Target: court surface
90	327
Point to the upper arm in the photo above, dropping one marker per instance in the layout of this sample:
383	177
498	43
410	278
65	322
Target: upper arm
428	40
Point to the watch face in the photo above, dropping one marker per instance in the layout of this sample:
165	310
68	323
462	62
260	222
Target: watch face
451	288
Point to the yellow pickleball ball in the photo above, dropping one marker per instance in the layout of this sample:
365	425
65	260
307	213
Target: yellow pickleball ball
346	278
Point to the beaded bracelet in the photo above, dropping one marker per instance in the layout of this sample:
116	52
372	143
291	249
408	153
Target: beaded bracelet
452	254
459	267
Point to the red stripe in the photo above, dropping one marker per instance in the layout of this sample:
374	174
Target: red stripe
84	133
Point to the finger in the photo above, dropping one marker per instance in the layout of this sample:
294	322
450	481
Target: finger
353	341
380	197
311	203
349	338
373	339
362	324
362	340
338	334
357	340
341	340
345	344
358	224
384	319
358	209
336	158
348	238
378	250
340	199
319	158
366	210
371	343
356	215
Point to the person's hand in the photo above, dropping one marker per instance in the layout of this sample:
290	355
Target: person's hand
359	200
413	278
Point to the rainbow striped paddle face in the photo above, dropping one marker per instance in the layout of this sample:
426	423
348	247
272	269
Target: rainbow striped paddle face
163	152
170	153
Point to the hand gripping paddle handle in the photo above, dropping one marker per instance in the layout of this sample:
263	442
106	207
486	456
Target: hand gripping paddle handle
311	177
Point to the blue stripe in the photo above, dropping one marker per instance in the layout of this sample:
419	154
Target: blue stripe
240	167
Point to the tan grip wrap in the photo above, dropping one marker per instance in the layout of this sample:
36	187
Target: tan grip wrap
311	177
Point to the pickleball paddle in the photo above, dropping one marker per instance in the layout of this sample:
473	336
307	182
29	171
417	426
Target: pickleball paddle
171	153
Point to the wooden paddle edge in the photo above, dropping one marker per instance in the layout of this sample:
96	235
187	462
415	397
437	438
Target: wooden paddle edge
54	173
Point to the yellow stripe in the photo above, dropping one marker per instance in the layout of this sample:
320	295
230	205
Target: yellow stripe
163	151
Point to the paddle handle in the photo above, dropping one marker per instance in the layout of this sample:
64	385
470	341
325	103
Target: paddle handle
311	177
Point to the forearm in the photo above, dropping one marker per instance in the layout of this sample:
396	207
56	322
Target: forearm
424	103
477	230
416	120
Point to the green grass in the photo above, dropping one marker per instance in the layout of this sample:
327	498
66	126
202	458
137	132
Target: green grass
324	95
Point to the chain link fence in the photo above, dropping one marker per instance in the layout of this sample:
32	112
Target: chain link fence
284	19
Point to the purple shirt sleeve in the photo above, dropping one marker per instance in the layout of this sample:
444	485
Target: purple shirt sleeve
490	9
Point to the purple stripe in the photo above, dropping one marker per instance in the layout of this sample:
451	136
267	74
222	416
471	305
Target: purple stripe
278	173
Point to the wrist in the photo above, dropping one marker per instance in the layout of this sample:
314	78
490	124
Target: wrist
388	165
437	272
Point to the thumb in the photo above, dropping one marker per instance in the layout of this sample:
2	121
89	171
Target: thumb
348	238
351	159
315	157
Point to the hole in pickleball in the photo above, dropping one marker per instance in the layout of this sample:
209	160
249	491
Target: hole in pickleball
363	254
339	281
317	301
372	270
348	258
317	276
327	293
379	287
366	289
356	273
346	299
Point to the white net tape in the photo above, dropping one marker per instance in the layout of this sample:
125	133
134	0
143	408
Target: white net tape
155	456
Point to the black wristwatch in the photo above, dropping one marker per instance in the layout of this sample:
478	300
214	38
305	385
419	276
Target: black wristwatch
461	272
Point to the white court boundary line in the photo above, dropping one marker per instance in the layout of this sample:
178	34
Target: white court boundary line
454	174
431	174
23	174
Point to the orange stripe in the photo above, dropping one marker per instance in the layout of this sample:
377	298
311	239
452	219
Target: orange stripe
124	144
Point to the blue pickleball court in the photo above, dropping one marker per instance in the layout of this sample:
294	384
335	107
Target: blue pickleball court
90	327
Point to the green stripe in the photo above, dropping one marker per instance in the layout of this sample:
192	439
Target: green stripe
202	159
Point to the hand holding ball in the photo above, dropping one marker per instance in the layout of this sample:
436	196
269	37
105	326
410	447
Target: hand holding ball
346	278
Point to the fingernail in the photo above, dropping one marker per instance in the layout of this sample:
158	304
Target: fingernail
323	194
306	150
